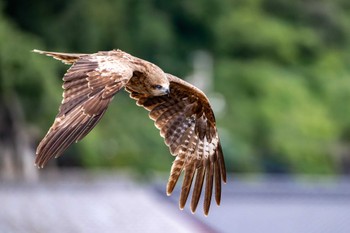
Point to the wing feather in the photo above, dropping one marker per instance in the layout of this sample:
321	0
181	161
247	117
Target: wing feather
182	133
89	87
186	184
197	190
187	124
168	116
175	172
217	183
208	187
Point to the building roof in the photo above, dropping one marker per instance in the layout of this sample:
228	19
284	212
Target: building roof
85	202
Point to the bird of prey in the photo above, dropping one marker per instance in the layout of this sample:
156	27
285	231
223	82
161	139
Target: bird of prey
179	110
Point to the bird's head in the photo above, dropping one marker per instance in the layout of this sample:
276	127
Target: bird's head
149	79
157	83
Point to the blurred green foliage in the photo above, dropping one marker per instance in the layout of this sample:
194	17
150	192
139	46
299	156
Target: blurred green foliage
282	66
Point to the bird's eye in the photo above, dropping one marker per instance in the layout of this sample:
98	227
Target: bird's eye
157	87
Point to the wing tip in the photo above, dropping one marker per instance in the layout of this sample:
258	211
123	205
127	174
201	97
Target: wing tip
67	58
193	209
39	166
37	51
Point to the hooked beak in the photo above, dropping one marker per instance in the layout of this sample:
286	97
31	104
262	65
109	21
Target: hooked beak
167	91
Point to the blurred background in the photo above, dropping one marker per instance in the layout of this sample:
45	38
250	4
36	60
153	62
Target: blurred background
276	71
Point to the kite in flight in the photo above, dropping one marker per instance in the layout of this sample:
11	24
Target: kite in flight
180	111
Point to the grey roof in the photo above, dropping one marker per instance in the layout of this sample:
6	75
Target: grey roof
113	203
283	205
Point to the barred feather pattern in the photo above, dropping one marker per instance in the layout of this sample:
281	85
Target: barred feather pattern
187	124
89	86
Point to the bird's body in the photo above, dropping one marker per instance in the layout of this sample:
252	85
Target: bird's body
181	112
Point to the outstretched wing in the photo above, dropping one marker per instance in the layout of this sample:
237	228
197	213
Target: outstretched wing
187	124
89	86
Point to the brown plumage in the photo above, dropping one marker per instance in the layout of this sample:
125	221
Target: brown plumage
180	111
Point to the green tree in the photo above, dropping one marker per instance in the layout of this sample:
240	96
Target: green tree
282	67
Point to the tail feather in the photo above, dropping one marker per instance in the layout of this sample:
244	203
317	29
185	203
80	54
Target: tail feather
67	58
